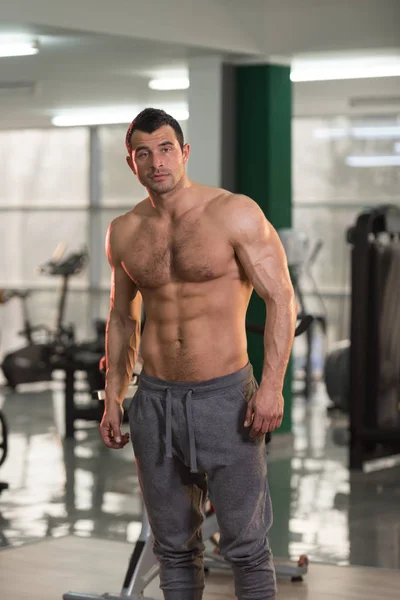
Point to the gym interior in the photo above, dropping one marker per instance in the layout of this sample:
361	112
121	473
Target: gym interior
297	107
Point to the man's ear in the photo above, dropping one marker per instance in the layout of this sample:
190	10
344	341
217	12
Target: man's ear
130	164
186	153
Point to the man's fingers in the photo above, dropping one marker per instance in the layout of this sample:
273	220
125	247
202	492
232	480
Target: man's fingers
273	424
115	431
266	426
110	443
257	426
111	434
249	414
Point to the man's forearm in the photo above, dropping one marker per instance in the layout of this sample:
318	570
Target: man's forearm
278	340
122	344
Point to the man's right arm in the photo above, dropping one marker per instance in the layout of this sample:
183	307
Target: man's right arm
123	326
122	343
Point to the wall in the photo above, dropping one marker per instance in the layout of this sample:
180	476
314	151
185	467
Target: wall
290	26
43	201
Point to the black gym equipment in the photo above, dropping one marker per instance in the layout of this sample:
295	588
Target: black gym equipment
143	566
370	363
28	331
36	361
3	446
337	376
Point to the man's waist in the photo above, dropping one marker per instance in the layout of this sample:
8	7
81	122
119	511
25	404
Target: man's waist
230	378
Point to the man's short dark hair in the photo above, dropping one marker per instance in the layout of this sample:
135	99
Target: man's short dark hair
149	120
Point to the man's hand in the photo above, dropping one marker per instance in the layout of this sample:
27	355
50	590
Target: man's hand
264	411
110	426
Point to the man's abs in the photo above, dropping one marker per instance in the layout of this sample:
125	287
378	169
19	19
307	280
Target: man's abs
199	337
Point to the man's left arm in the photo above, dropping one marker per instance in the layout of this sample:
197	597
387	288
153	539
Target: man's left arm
261	254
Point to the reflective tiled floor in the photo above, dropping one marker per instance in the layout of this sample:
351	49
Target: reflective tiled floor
60	487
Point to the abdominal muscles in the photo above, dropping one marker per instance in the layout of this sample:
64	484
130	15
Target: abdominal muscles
195	331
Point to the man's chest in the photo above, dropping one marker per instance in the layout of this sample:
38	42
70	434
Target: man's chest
191	252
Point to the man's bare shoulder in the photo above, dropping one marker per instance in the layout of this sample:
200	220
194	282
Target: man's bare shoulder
130	218
124	226
143	209
238	209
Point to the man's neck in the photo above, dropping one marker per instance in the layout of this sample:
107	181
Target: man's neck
174	203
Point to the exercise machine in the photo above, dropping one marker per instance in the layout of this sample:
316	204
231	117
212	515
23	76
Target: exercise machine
37	360
3	446
143	566
369	362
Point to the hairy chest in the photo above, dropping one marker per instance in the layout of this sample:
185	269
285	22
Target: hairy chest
191	252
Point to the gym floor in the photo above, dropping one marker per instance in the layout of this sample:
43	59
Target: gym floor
80	488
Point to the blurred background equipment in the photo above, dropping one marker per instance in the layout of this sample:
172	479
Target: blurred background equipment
301	256
362	374
44	346
3	446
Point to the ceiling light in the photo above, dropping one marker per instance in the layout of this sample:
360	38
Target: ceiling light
373	161
107	117
93	117
8	49
344	68
169	83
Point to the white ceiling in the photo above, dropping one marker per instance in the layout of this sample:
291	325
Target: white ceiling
75	70
78	68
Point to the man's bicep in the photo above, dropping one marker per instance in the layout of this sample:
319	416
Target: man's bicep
261	254
123	290
123	296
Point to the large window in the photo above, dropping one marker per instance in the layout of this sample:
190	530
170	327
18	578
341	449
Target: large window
340	166
44	200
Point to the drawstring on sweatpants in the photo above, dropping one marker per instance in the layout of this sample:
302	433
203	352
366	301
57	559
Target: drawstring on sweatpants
192	439
190	424
168	423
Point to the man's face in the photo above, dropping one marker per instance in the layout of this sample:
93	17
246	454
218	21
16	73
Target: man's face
157	159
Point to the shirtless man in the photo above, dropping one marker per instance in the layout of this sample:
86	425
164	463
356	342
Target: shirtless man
198	420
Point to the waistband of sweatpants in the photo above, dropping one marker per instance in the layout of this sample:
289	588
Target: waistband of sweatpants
243	376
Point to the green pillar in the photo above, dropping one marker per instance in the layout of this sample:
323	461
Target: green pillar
263	172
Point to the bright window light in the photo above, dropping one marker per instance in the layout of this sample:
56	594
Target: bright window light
180	114
372	133
169	83
108	117
330	133
345	68
8	49
373	161
376	132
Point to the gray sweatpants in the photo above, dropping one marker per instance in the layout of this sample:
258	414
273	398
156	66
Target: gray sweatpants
190	441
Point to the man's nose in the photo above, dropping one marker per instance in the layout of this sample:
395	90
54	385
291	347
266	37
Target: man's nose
157	161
